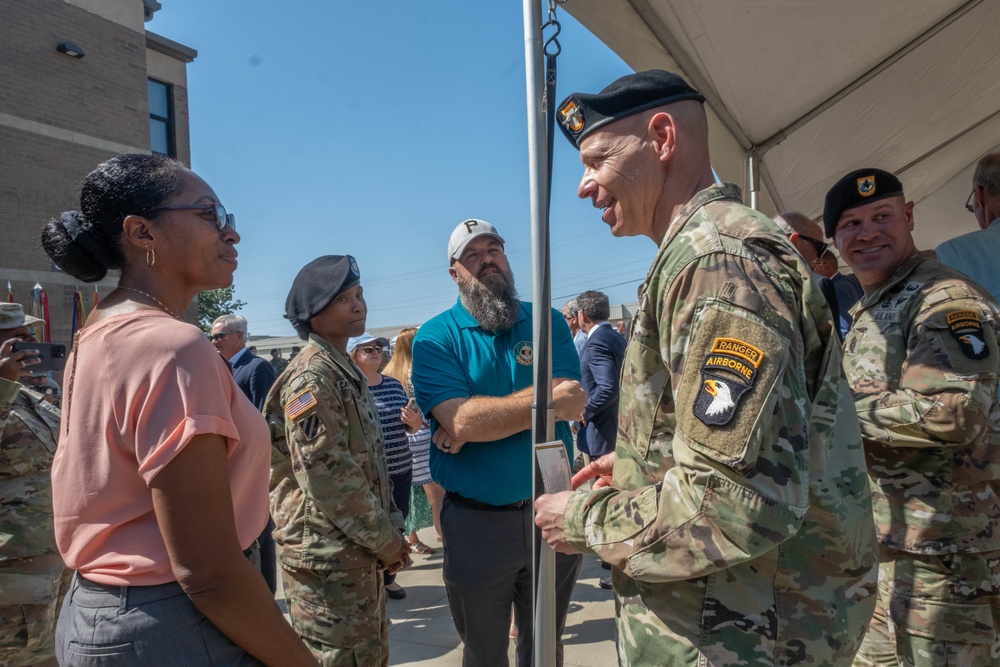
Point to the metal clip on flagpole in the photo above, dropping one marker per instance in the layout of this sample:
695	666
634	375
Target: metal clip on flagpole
540	97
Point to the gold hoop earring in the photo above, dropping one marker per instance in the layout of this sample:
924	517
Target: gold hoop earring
150	256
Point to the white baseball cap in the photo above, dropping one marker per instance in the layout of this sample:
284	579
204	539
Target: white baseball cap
465	232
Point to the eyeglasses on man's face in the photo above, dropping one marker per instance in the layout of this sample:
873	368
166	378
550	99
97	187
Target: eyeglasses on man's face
971	201
816	243
222	334
372	349
217	211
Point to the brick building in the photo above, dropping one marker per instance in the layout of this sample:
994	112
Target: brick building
80	81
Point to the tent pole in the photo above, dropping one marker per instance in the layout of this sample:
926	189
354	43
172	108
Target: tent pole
753	176
543	416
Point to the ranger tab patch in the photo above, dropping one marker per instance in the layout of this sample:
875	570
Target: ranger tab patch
727	374
964	325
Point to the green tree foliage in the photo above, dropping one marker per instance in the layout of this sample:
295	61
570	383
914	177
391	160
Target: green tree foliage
216	302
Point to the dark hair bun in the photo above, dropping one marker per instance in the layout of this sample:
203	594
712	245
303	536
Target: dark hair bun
74	249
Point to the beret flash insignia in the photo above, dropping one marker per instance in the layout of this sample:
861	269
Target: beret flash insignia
572	119
866	186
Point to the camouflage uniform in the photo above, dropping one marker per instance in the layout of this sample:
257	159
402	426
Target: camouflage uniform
738	524
279	365
922	361
332	505
31	568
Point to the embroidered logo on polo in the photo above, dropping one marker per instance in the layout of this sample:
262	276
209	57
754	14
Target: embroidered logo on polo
866	186
728	373
964	325
524	354
572	118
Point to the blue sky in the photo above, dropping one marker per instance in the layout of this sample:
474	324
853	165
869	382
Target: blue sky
372	129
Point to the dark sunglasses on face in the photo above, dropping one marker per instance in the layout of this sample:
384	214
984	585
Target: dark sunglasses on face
218	211
222	334
372	349
819	245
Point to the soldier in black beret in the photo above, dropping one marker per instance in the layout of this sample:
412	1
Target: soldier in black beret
860	187
922	361
698	525
337	527
315	286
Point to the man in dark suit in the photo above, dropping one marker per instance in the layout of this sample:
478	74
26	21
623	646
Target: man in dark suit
601	367
255	377
253	374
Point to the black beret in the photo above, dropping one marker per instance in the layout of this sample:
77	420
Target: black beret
860	187
316	285
580	113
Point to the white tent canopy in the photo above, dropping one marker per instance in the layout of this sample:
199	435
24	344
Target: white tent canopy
814	89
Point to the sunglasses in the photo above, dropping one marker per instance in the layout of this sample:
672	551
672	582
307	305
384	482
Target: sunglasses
221	218
221	335
372	349
971	201
819	245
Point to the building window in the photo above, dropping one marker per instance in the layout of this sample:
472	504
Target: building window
161	119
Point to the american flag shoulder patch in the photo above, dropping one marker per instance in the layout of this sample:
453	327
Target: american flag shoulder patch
301	402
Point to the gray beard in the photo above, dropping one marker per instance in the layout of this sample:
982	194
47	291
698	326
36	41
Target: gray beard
492	301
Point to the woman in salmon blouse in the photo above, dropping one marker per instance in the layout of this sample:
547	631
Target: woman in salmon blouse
160	478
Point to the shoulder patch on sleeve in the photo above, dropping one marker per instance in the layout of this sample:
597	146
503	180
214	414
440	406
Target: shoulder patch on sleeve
965	327
728	372
728	389
300	403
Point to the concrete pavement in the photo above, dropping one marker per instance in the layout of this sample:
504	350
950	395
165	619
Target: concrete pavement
422	632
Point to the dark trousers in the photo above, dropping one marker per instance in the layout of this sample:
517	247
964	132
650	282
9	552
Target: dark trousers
268	561
401	496
488	570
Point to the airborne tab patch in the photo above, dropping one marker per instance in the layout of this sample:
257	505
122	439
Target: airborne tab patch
727	374
965	326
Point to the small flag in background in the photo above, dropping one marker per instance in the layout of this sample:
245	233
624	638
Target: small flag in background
40	309
79	312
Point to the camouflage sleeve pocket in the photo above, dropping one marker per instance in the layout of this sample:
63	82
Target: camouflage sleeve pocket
727	394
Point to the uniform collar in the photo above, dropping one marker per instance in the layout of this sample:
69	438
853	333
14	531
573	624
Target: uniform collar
898	276
712	193
345	363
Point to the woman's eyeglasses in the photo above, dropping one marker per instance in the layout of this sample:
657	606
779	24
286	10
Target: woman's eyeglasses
372	349
222	219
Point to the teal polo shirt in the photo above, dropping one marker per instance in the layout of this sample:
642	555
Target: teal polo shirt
454	358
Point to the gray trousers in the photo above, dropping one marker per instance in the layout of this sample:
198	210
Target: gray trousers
144	626
487	571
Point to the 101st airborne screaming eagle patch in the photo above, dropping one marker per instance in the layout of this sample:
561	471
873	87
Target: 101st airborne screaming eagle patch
727	374
965	326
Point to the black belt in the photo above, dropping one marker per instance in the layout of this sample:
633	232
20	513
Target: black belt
476	505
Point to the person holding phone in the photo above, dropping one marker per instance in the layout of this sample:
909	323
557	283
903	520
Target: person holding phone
160	479
29	430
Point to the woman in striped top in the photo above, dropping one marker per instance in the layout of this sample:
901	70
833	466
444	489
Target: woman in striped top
396	419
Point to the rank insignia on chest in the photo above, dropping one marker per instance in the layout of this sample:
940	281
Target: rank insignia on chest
728	373
964	325
300	403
